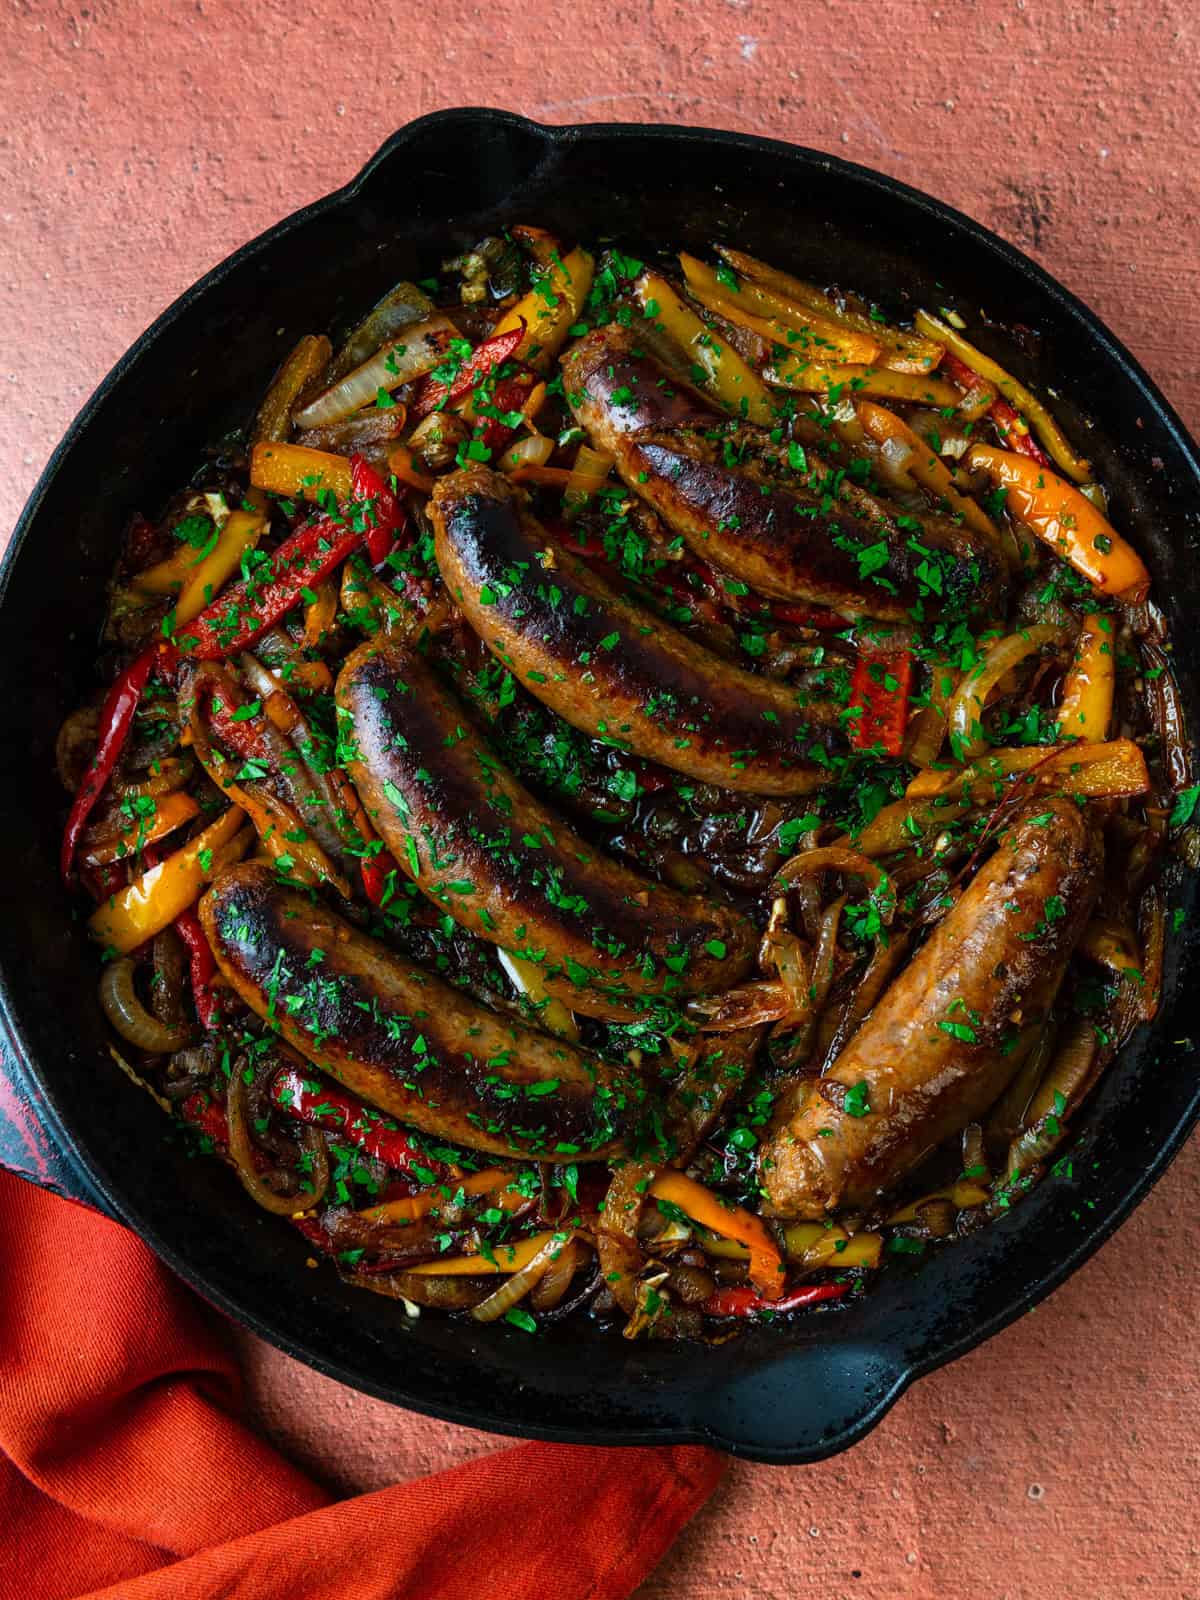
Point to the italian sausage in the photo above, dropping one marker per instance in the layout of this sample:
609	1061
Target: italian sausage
479	845
609	666
403	1039
940	1046
794	534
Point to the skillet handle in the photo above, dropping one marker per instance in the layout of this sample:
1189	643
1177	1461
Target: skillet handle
481	157
809	1404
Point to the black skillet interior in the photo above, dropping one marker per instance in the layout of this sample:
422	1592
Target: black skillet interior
781	1394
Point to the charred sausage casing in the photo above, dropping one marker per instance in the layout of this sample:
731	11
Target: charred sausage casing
612	668
403	1039
509	869
941	1044
738	501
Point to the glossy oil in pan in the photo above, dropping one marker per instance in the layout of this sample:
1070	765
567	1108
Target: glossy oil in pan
785	1393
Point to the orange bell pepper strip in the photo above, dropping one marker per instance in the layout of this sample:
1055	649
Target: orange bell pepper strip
402	464
1085	710
732	1222
500	1258
926	466
1066	521
145	907
171	811
294	469
1115	769
495	1181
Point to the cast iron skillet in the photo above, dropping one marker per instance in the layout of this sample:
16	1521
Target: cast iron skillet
784	1394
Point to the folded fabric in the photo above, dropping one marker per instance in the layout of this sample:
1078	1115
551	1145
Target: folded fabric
126	1474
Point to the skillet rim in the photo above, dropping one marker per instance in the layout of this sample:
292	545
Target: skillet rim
890	1378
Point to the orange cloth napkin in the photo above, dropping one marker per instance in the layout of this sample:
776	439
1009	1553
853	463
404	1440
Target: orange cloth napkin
125	1473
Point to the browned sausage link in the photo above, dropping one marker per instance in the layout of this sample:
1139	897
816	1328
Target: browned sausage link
483	848
718	485
612	668
403	1039
940	1045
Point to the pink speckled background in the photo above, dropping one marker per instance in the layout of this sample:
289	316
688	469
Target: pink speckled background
141	143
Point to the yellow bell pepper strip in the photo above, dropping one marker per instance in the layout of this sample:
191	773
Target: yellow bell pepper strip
549	309
810	1244
167	814
980	398
1085	710
1066	521
294	469
926	466
242	531
771	315
306	364
722	370
499	1258
816	377
1015	392
496	1181
963	1196
150	902
904	352
733	1222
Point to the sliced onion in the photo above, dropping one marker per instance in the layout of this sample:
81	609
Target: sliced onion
129	1017
837	858
970	699
746	1007
896	452
533	451
399	308
75	745
516	1287
590	469
531	981
242	1152
417	351
790	959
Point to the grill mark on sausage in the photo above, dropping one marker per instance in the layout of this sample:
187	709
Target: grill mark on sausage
612	668
795	541
405	1040
991	967
506	866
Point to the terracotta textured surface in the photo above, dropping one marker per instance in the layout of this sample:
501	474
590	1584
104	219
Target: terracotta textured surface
142	142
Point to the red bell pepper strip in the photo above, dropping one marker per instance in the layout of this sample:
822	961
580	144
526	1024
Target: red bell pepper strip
247	609
202	966
332	1108
739	1302
879	688
116	719
1008	422
387	520
376	870
207	1116
508	397
482	360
